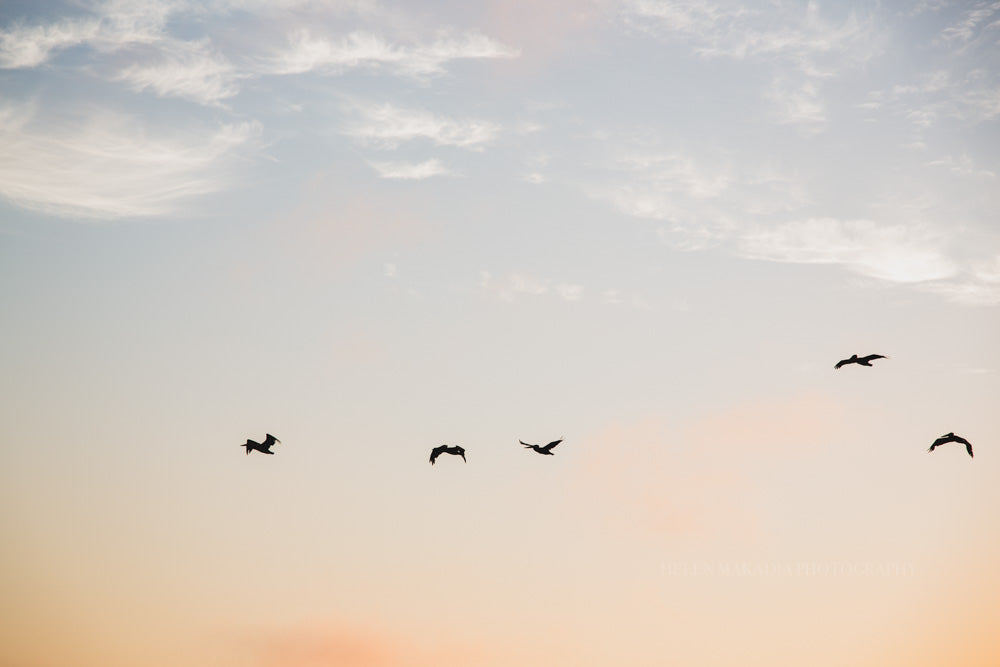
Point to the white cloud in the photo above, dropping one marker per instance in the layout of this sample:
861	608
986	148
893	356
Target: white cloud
107	165
979	286
669	187
685	17
963	166
798	106
192	70
306	53
676	173
762	213
112	25
893	253
733	30
931	82
139	31
516	283
30	46
983	102
388	126
979	17
409	171
569	292
929	6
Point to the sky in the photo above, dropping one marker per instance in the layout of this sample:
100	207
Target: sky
649	228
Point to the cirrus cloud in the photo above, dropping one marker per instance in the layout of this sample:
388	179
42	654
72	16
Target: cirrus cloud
388	126
894	253
108	165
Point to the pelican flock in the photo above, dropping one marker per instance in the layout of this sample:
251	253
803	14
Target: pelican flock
546	450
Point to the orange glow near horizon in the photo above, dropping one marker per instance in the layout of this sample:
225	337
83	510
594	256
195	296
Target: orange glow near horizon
646	228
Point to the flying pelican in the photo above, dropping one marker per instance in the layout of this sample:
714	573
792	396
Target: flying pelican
445	449
861	361
951	437
547	449
263	448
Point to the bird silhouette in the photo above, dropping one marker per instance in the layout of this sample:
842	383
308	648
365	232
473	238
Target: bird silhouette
951	437
547	449
264	448
861	361
445	449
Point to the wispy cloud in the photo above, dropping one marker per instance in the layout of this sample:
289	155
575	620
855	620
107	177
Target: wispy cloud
760	213
982	101
940	95
110	26
106	165
29	46
979	286
981	16
514	284
569	292
199	70
307	53
894	253
931	82
963	166
800	37
410	171
388	126
615	297
192	70
798	105
666	186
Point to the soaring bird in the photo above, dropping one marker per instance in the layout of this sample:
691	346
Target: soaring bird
861	361
951	437
547	449
445	449
264	448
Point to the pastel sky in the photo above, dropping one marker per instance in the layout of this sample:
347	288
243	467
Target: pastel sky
647	227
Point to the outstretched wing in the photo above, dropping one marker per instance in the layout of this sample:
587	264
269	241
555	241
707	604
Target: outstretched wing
270	440
873	357
551	445
436	452
940	441
842	362
968	445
